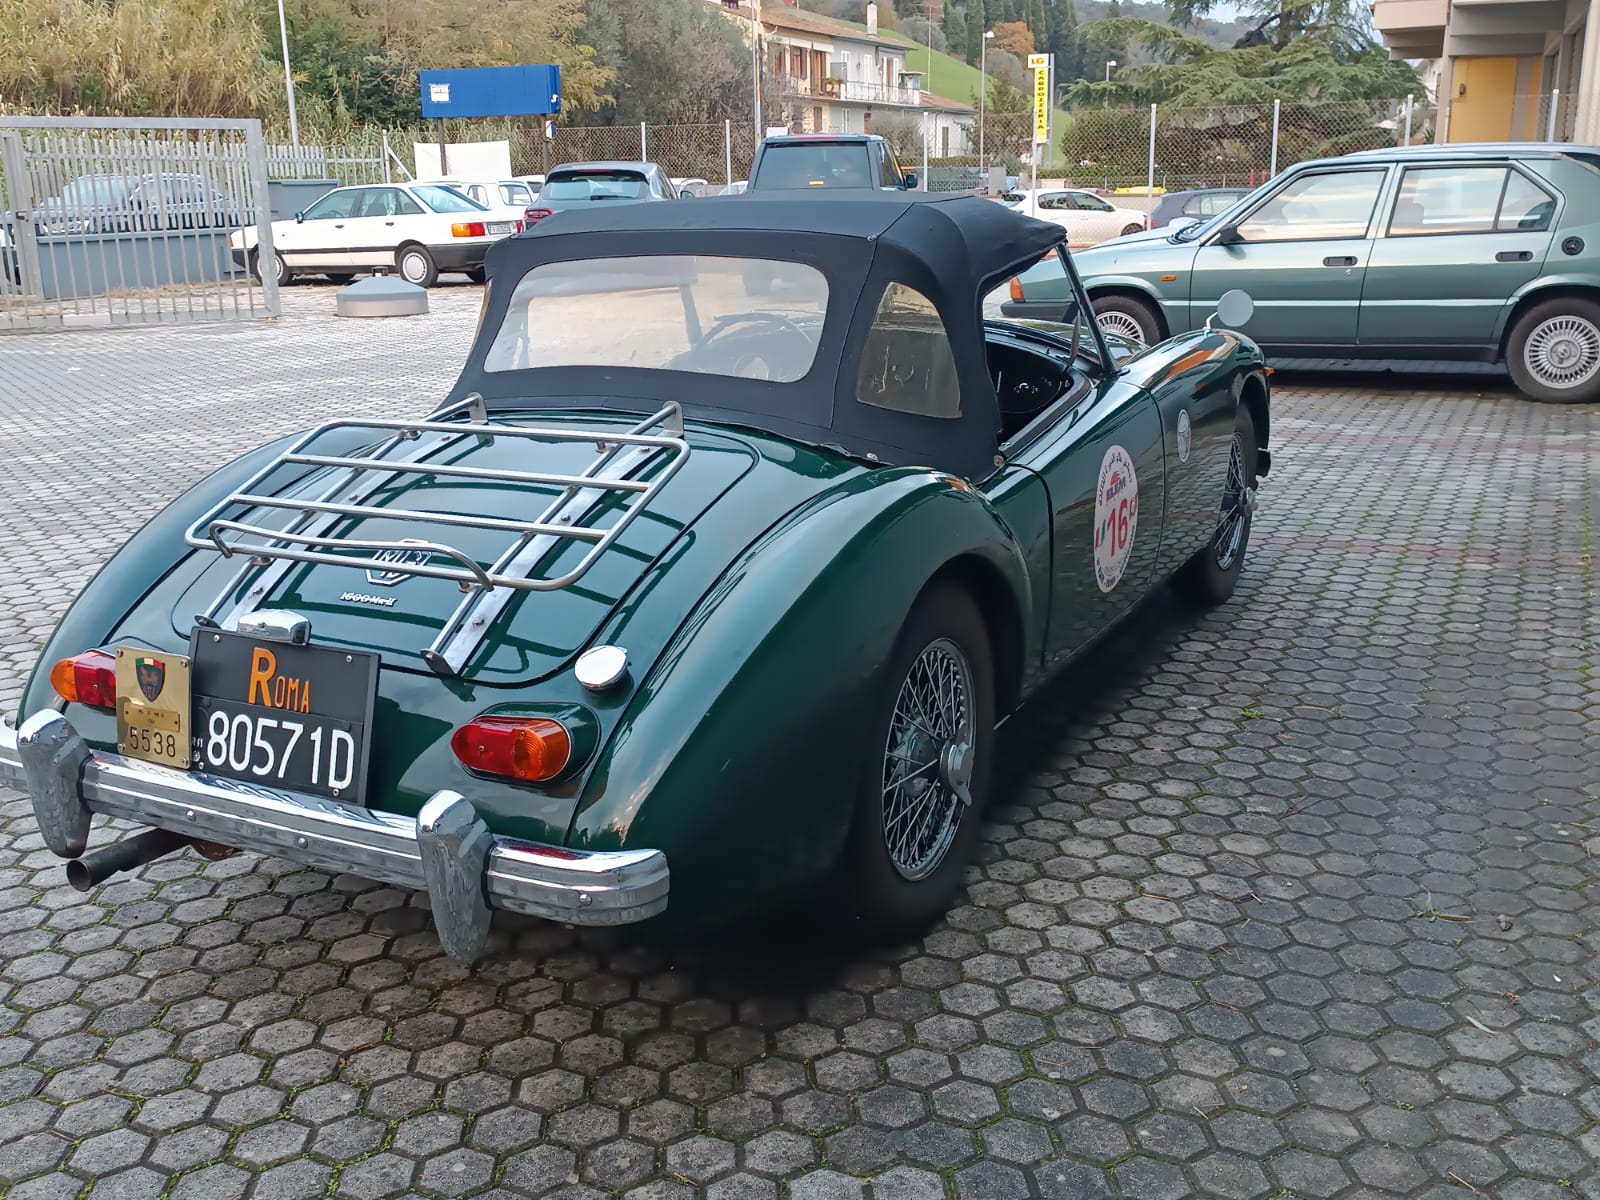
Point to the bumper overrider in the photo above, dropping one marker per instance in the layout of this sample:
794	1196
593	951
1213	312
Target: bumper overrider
446	850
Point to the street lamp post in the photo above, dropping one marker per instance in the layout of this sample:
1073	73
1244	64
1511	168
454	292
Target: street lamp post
288	76
755	58
1110	62
983	91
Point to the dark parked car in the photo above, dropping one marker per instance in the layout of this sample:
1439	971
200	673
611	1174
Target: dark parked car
574	644
827	160
1197	205
581	185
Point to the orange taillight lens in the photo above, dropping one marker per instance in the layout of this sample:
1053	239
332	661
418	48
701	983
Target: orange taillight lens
530	749
467	229
89	678
1016	289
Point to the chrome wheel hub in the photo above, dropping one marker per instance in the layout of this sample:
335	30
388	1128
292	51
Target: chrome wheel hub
1563	352
1122	325
928	760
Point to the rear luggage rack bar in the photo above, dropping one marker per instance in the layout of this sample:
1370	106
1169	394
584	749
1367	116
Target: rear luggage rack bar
235	527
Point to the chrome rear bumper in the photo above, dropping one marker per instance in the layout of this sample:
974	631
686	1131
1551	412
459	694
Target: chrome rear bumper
446	851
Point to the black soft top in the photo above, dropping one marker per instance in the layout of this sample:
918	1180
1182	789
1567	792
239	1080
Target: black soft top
952	249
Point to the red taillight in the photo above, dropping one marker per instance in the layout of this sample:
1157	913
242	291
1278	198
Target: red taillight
88	678
537	214
467	229
529	749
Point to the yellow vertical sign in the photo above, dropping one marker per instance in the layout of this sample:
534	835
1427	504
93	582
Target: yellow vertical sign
1040	65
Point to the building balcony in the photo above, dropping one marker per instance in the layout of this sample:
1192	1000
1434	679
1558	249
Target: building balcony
849	91
1412	28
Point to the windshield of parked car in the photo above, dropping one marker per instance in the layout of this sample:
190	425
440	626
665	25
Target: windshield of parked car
446	200
1211	223
596	185
747	318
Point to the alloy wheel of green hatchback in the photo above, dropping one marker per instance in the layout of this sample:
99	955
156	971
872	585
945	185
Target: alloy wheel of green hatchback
1563	352
927	761
1121	324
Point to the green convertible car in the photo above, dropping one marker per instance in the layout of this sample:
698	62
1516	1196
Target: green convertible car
709	581
1484	253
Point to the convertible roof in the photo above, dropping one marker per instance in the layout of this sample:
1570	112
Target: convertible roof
951	233
951	249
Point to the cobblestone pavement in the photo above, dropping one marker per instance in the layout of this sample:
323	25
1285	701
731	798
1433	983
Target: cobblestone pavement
1295	899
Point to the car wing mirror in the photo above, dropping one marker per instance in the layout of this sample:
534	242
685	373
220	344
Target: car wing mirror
299	218
1228	235
1234	308
911	180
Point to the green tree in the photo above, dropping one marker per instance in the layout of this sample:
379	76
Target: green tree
1066	42
977	22
1039	23
677	62
954	24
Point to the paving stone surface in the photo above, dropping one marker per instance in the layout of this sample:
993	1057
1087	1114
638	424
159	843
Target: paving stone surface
1293	899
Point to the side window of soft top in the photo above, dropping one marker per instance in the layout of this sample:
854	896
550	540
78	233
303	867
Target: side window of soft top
907	365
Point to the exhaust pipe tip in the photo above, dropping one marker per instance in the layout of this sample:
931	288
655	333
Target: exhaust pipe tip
86	873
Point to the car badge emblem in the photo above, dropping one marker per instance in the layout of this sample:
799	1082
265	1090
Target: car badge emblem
399	558
152	676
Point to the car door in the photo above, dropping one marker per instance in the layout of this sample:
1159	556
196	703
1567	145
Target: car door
1103	467
319	237
1094	220
1460	240
1058	209
1301	253
377	227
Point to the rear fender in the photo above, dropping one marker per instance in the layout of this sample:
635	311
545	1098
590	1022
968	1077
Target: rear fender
742	753
145	559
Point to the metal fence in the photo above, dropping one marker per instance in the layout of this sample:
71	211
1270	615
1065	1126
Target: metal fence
113	221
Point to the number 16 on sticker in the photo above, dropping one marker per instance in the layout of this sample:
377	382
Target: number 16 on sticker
1116	517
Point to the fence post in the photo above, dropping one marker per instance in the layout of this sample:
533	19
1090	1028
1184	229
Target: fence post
386	178
1275	110
1150	181
727	150
1409	100
924	180
256	153
1555	107
644	153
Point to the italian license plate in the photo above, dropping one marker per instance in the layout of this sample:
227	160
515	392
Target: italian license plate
295	717
501	227
153	706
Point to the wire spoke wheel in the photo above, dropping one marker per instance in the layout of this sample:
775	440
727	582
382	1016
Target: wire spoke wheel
1122	325
928	760
1563	352
1235	509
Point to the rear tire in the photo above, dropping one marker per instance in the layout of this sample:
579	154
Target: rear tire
477	274
416	265
1132	229
1129	318
275	264
1553	353
932	740
1208	579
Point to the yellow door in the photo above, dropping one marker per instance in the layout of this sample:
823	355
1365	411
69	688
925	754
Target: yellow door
1484	103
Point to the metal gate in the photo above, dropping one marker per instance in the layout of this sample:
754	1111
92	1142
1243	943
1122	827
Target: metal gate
127	222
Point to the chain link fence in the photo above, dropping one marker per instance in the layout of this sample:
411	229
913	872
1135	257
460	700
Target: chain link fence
1108	148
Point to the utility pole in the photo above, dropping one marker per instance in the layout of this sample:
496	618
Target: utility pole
983	91
288	76
755	60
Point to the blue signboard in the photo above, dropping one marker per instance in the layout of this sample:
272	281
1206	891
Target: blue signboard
491	92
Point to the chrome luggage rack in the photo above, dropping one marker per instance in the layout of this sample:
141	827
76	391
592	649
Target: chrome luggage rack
408	448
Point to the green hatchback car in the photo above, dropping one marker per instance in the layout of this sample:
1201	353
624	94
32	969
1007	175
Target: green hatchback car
1485	253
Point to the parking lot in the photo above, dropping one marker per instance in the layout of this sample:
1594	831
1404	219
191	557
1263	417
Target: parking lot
1295	899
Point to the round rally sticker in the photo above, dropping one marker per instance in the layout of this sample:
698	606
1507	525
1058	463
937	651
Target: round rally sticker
1116	517
1184	433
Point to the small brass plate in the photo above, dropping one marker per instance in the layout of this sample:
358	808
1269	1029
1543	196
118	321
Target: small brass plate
153	706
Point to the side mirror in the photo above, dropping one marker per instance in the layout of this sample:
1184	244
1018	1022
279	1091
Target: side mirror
1234	308
299	218
911	181
1228	235
1178	223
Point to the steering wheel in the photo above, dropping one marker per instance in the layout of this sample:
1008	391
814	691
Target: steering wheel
756	321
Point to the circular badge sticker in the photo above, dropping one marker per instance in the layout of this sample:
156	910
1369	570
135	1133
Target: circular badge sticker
1116	517
1183	435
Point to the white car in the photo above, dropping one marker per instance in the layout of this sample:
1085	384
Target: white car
1087	218
510	195
419	229
692	186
